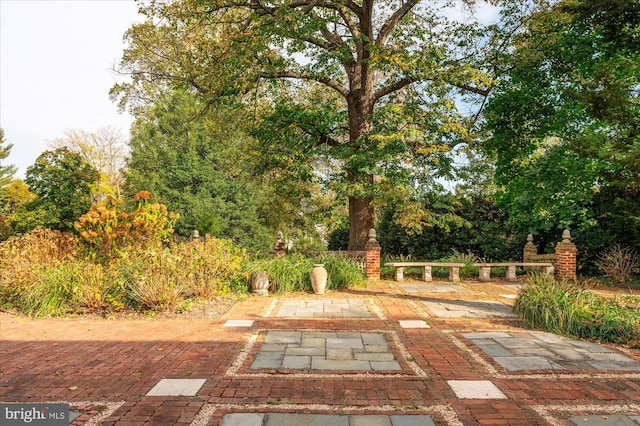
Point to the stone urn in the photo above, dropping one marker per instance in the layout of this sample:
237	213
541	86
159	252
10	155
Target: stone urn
318	278
260	283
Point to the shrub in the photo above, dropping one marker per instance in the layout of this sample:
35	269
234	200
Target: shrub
22	258
618	263
468	259
564	308
109	229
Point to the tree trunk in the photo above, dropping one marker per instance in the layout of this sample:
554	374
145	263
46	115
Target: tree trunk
361	220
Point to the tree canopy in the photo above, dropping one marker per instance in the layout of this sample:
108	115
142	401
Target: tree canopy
371	88
6	171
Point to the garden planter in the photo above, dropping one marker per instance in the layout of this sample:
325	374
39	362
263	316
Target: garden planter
318	278
260	283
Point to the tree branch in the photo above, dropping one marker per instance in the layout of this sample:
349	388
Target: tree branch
393	20
301	76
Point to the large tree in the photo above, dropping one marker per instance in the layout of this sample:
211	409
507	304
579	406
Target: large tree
565	123
371	86
62	181
105	149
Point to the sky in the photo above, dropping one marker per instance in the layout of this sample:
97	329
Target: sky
56	60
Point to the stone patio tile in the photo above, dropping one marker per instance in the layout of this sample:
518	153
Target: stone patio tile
287	311
177	387
355	314
344	343
242	419
273	347
515	363
591	347
238	323
615	365
532	352
311	342
304	351
494	350
475	389
485	335
305	312
283	337
376	348
319	334
608	420
344	354
411	420
568	354
267	360
413	324
635	419
369	420
284	419
318	363
516	343
385	365
548	337
296	362
349	335
373	339
380	356
609	357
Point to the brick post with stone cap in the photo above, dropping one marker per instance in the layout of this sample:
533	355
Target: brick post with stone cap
372	257
530	250
566	257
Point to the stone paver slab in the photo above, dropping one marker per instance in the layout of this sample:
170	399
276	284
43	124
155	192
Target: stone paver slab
608	420
177	387
413	324
411	420
242	419
369	420
328	364
340	343
515	363
296	362
475	389
282	419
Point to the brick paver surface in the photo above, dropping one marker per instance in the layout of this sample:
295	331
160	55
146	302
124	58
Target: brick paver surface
106	368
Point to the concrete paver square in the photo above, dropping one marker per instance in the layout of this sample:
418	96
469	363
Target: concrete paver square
515	363
238	323
285	419
608	420
369	420
340	343
411	420
329	364
413	324
242	419
475	389
297	362
177	387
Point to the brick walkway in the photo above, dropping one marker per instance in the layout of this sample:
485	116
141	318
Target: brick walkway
483	368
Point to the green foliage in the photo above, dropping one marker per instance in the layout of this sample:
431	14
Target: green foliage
198	163
62	181
485	232
566	309
618	263
291	273
6	172
564	124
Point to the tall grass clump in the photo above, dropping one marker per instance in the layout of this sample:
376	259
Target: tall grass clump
468	259
292	273
564	308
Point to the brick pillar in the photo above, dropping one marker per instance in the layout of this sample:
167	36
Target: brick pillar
566	257
372	257
530	250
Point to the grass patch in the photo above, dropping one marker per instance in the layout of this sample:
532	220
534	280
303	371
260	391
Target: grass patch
565	308
291	273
